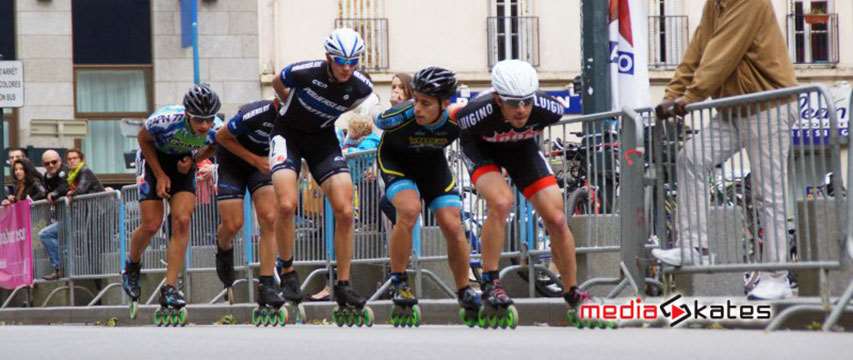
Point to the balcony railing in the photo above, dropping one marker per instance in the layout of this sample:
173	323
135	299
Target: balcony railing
513	37
813	39
374	31
668	39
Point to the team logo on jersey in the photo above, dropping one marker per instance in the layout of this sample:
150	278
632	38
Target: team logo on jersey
319	83
512	135
346	97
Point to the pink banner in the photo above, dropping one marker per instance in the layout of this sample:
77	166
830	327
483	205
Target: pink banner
16	246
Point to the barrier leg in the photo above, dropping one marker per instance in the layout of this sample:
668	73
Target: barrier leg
839	308
12	295
103	292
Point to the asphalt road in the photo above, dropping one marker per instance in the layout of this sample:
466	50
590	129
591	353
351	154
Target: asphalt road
428	342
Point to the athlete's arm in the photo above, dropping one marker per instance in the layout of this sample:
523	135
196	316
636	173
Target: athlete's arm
226	139
149	151
281	91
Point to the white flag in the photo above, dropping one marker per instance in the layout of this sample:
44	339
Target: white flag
629	54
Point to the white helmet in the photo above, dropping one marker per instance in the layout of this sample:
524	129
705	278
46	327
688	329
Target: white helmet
514	79
344	42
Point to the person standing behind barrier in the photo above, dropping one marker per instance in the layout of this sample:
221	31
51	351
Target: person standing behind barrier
81	179
26	183
499	130
243	165
56	185
170	143
738	49
401	91
413	166
314	95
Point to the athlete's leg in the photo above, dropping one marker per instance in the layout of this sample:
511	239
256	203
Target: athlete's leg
458	250
338	189
407	203
286	187
548	203
181	207
266	213
151	214
492	186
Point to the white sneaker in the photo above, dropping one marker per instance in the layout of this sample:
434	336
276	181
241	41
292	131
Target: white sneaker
771	286
679	257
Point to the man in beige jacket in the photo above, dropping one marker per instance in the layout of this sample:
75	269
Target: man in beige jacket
737	49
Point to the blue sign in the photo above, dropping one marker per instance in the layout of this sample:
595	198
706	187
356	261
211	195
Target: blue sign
187	8
571	103
814	127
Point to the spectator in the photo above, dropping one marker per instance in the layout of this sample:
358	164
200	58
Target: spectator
401	88
16	154
27	184
360	135
81	179
56	185
737	49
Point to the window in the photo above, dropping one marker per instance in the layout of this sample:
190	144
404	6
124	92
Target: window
668	35
112	76
366	17
7	29
813	32
511	34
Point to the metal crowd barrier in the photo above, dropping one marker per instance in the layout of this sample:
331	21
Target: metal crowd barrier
729	185
93	246
154	257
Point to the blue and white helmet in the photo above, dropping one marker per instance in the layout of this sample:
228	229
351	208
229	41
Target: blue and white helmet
344	42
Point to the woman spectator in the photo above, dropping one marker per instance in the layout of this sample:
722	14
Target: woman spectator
401	88
81	179
27	183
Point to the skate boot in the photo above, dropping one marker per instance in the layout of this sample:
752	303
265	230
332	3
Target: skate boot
469	302
575	298
405	312
172	311
130	284
269	311
497	309
291	290
225	271
351	309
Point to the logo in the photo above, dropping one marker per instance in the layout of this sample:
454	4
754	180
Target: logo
624	60
512	135
346	97
319	83
676	311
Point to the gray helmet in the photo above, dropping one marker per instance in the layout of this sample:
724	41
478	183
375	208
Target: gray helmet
201	101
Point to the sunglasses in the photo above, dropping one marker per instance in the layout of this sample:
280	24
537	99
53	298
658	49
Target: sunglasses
199	120
340	60
516	102
50	163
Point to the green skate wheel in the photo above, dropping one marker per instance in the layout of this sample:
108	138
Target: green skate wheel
358	320
493	321
462	317
134	309
502	321
417	315
172	318
337	317
281	319
158	317
367	313
350	318
395	320
481	319
512	314
256	318
181	316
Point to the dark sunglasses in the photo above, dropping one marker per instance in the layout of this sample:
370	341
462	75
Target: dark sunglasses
50	163
516	102
340	60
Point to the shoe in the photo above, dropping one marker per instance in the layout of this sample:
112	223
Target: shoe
771	286
322	295
674	257
55	275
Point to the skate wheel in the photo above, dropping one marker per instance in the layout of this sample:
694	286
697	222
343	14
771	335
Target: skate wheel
337	317
482	319
281	317
367	314
512	317
181	317
416	316
158	317
493	321
134	309
395	320
256	319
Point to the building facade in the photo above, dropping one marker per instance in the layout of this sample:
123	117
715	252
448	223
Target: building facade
72	68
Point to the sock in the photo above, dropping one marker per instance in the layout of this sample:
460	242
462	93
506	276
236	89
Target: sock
490	276
399	277
267	280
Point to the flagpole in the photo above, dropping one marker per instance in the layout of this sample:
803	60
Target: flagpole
196	72
595	59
